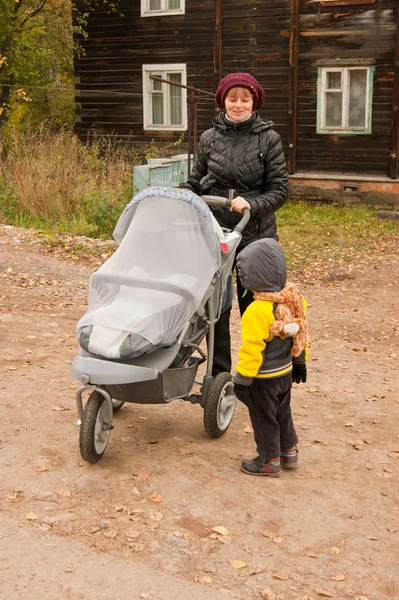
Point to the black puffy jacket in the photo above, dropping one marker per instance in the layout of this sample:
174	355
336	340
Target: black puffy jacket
247	157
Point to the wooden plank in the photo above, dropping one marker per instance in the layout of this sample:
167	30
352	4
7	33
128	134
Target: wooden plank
293	86
394	166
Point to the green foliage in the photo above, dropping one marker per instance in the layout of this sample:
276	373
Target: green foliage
36	59
152	151
321	231
54	182
37	63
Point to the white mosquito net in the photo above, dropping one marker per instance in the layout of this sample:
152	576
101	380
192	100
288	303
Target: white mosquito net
146	292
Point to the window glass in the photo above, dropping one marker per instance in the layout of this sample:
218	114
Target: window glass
174	4
334	109
334	80
155	4
175	99
357	97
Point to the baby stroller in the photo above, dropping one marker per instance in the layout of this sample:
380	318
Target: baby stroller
151	304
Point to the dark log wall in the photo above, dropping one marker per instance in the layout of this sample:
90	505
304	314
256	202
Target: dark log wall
346	32
255	39
118	46
255	36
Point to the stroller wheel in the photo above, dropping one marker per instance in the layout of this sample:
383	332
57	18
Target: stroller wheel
117	405
95	428
219	405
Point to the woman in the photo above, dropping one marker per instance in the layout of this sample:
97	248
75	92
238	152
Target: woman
241	152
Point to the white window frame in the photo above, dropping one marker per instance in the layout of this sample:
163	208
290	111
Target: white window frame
146	12
161	71
344	89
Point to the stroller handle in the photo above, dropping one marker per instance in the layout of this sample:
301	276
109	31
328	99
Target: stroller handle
225	203
217	201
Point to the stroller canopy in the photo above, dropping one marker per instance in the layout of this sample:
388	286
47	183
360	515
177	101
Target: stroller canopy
146	292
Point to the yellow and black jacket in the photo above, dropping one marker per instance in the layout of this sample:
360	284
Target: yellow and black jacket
262	267
263	355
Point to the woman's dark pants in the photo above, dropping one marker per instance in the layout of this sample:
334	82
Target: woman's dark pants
222	346
271	418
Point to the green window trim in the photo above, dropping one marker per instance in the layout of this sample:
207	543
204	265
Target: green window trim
320	127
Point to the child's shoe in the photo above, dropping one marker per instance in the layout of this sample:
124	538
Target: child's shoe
257	466
289	458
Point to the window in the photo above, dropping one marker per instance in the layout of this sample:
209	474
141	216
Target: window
344	100
164	104
153	8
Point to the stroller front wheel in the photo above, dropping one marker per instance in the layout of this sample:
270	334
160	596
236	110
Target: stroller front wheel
95	428
219	405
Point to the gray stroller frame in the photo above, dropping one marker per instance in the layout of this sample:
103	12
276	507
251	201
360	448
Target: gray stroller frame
166	373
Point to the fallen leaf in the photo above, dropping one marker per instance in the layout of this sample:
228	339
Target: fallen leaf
132	534
335	550
256	569
15	496
110	533
41	468
155	497
248	429
338	577
238	564
120	508
224	539
70	569
31	516
60	408
185	451
220	529
269	534
156	516
268	594
281	575
323	593
278	539
141	476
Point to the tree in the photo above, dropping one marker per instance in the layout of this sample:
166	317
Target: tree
36	55
36	49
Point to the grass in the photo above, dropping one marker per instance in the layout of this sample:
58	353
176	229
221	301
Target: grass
53	183
312	231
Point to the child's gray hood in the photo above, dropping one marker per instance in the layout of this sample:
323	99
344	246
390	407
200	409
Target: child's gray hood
262	266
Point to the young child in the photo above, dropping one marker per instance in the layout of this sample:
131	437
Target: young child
271	356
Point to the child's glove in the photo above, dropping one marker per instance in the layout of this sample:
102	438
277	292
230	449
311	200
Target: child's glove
242	393
299	372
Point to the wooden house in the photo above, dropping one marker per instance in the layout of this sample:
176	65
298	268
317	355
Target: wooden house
330	70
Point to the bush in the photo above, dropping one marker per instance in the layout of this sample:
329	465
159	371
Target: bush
53	181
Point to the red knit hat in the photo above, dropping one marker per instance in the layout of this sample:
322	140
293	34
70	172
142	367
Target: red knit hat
244	80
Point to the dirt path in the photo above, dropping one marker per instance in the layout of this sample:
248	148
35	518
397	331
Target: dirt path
329	530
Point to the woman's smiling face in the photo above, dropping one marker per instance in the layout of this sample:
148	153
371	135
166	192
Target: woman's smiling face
239	104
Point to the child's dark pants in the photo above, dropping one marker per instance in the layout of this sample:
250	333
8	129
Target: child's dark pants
271	418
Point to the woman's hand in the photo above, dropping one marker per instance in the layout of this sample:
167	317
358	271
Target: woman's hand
238	204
